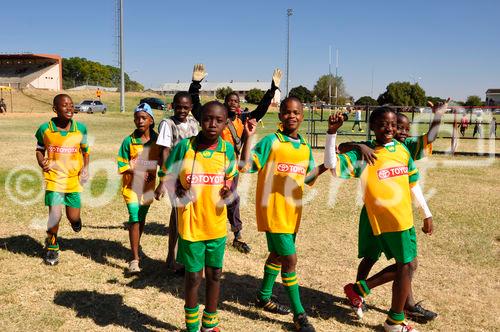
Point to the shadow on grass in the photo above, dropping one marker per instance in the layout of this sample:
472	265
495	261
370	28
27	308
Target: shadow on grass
108	309
22	244
151	228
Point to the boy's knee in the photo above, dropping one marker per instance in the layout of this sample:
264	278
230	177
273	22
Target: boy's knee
413	265
193	278
289	262
216	275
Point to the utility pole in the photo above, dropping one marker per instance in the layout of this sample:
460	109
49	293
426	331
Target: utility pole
330	75
336	77
122	72
289	12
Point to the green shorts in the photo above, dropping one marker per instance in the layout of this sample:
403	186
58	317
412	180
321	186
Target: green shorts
196	255
402	246
368	245
136	212
53	198
281	243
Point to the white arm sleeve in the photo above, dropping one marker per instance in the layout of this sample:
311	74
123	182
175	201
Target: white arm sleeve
330	156
164	135
419	196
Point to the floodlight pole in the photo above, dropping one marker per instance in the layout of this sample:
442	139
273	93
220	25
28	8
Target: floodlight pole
122	72
289	12
330	75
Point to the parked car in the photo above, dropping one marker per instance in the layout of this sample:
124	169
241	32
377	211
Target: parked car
91	106
155	103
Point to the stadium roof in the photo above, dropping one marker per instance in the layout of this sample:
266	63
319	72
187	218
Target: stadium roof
493	91
30	56
213	86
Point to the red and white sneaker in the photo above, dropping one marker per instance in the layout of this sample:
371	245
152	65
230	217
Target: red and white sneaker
355	300
403	327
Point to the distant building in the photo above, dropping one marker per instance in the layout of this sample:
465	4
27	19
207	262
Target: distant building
492	97
93	87
210	88
39	71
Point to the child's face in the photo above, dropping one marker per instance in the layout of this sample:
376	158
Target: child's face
233	102
64	108
142	121
213	121
182	108
403	129
291	116
385	127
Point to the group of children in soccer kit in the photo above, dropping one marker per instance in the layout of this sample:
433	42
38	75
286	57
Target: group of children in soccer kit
198	170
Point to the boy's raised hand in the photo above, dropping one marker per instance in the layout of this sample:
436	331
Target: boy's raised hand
199	72
335	121
277	74
439	108
428	227
250	127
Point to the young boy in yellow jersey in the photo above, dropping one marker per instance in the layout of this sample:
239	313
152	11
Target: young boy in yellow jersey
63	154
284	162
137	160
199	170
387	185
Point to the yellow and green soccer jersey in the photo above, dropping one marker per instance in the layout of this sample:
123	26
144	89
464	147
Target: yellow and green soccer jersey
135	155
204	173
418	146
386	185
65	150
282	164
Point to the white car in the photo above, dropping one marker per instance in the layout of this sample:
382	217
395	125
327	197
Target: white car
90	106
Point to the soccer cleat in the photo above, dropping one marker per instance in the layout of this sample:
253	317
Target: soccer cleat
419	314
403	327
241	246
302	324
133	267
355	300
272	305
213	329
52	257
77	226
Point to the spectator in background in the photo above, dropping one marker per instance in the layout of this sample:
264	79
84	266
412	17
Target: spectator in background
3	106
464	124
98	94
478	127
493	128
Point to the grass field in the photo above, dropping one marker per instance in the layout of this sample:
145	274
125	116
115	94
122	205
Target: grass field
457	275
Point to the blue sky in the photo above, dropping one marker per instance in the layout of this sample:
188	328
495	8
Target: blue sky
452	46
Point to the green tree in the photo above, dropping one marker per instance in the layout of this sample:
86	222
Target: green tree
322	86
366	101
403	94
302	93
473	101
221	93
253	96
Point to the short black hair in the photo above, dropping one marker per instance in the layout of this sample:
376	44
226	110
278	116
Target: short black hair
181	94
226	98
400	114
59	97
286	100
213	103
378	112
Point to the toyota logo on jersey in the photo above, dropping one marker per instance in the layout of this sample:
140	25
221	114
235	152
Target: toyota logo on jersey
291	168
392	172
205	179
62	149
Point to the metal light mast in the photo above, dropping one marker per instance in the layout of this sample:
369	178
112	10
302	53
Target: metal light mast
289	12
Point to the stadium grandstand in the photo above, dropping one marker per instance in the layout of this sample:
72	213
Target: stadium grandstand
210	88
39	71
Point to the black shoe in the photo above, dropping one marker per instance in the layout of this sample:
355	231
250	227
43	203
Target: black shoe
272	305
77	226
302	324
419	314
52	257
241	246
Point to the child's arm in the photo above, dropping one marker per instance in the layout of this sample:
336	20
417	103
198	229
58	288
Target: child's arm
334	123
365	151
261	110
42	161
84	172
424	209
249	132
438	111
199	74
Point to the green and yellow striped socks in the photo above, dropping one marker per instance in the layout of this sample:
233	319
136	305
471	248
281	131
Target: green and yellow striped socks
395	318
52	243
292	288
209	320
271	271
361	288
192	319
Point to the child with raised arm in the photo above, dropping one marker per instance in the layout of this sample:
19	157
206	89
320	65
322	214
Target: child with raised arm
137	160
179	126
387	184
199	171
284	163
62	153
